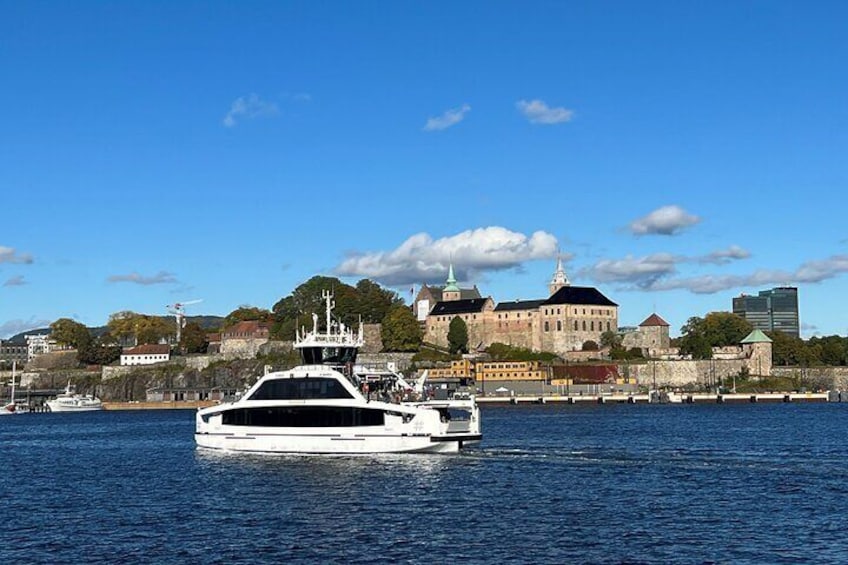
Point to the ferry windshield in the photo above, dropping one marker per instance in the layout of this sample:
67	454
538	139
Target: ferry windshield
328	355
300	389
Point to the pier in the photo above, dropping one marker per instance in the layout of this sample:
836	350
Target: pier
671	398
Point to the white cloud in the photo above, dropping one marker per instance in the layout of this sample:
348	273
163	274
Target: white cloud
449	118
643	272
668	220
249	107
540	113
655	272
14	327
423	259
724	256
9	255
162	277
15	281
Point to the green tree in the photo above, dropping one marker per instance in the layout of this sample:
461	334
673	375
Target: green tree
458	336
69	332
247	313
610	339
144	329
193	339
717	329
98	354
590	345
373	302
401	331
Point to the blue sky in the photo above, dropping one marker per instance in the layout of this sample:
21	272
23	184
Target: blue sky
677	153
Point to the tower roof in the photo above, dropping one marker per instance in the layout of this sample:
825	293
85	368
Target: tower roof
451	282
756	336
653	320
579	295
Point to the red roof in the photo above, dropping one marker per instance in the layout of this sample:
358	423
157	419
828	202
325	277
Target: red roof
149	349
250	328
653	320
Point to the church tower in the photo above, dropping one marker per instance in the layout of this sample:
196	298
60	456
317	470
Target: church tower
451	290
560	279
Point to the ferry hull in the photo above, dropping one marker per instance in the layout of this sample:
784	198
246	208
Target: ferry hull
324	442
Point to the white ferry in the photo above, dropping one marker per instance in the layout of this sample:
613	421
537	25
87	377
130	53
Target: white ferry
326	406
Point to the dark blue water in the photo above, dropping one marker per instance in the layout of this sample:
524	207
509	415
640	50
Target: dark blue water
549	484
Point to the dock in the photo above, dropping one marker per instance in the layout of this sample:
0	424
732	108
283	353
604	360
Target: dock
673	398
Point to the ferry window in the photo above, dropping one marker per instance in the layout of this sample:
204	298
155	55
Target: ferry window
300	389
304	417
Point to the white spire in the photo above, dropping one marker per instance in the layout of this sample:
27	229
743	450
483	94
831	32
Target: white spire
560	279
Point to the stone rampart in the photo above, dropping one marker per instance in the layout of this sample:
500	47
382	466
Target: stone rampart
825	378
402	361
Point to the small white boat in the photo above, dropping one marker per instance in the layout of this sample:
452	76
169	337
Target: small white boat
13	407
69	401
324	406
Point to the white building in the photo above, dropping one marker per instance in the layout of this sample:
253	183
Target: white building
146	355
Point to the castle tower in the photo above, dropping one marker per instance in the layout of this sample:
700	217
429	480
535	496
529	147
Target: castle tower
757	349
560	279
451	290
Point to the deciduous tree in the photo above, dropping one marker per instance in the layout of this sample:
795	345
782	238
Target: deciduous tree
400	330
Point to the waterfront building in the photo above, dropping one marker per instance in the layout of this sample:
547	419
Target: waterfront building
565	320
775	309
146	354
13	350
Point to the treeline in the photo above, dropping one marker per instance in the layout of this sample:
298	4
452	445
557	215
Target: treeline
366	301
721	329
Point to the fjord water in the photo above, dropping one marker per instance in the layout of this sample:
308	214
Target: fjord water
549	484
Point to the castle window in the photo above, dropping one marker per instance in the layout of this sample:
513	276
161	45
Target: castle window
608	326
557	311
559	325
547	327
592	325
575	325
584	325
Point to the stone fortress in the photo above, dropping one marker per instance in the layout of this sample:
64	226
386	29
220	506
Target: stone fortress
562	322
569	317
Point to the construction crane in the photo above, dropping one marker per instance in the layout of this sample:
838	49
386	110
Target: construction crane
177	309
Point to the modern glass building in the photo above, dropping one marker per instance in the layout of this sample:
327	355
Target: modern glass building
771	310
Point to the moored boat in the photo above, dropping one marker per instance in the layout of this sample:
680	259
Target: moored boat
70	401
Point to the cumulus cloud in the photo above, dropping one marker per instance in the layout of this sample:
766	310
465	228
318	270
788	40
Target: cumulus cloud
668	220
724	256
540	113
423	259
15	281
449	118
251	106
162	277
9	255
14	327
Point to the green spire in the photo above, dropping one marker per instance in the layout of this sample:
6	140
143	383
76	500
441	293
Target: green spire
451	282
756	336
